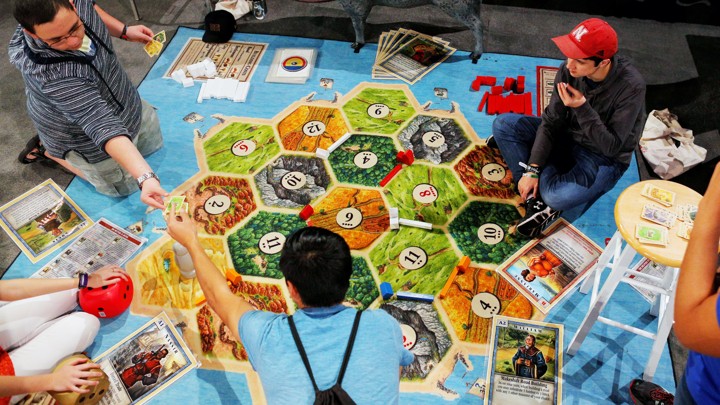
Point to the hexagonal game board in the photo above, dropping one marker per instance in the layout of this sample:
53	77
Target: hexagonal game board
257	175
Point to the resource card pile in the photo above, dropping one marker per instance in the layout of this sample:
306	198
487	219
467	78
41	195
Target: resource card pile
291	65
663	216
154	47
408	55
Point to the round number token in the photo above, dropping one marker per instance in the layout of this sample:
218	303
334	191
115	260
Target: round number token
271	243
490	234
313	128
365	160
485	305
217	204
425	193
433	139
378	110
293	180
243	147
413	258
493	172
294	64
349	218
409	336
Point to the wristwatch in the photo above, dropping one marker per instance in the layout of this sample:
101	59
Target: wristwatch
145	176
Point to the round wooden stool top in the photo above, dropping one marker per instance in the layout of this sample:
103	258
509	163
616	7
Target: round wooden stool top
628	209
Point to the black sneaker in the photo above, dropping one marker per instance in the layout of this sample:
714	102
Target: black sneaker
491	142
646	393
537	216
259	8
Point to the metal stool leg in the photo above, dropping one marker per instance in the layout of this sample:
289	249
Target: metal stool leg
619	268
134	10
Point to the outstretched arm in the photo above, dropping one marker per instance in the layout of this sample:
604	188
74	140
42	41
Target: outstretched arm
227	305
134	33
70	377
696	316
13	290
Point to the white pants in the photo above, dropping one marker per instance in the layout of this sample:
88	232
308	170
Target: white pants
37	333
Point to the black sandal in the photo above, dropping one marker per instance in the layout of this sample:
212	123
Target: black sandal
35	149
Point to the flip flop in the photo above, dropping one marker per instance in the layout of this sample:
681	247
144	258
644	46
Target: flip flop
35	149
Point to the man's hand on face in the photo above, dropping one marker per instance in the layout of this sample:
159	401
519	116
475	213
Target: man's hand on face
570	96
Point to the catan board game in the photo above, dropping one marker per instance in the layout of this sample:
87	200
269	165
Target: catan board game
255	177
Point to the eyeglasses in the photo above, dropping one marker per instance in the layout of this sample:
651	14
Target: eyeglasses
74	30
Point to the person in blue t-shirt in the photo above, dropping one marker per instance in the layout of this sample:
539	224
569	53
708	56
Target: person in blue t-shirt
317	266
697	307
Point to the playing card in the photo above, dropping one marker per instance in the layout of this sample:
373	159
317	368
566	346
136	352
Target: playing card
684	230
153	48
177	201
686	212
651	234
664	197
160	37
659	215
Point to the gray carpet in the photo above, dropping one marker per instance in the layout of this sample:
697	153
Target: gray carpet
660	51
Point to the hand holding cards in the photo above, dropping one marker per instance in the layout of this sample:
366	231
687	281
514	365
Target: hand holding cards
154	47
176	201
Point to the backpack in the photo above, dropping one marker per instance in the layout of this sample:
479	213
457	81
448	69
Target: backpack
335	395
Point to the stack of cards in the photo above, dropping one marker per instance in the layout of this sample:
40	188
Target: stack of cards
686	213
177	201
154	47
659	195
292	65
655	213
651	234
408	55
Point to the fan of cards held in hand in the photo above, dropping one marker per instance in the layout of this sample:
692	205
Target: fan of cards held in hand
154	47
684	214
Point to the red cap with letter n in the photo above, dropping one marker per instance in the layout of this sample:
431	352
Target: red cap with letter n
592	37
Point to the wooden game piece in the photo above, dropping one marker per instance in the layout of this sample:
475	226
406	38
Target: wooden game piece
464	263
184	261
306	212
390	175
386	290
322	153
481	106
339	142
407	295
509	84
409	157
415	224
233	276
394	223
449	281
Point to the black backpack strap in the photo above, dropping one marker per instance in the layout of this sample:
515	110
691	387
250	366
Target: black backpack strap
350	344
301	349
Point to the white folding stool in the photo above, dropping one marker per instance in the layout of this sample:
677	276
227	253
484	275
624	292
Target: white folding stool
617	258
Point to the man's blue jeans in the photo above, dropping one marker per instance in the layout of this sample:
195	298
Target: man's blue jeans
572	176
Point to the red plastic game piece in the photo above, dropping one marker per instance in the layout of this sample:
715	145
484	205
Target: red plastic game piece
482	81
409	157
496	90
520	85
509	83
390	175
481	106
528	103
306	212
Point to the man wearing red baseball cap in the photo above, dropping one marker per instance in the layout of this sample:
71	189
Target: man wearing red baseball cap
584	141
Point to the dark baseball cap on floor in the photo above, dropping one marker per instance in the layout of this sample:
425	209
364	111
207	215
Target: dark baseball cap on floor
219	26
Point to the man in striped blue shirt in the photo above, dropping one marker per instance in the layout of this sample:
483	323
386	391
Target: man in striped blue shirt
88	115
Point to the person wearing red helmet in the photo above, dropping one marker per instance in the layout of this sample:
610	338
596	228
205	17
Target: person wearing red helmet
584	141
38	330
